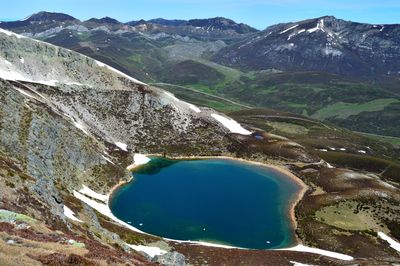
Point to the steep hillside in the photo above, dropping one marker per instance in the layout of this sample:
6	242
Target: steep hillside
323	44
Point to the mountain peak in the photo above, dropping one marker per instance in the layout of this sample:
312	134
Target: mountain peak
328	17
167	22
138	22
108	20
48	16
221	23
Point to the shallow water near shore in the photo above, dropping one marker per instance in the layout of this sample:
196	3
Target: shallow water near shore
213	200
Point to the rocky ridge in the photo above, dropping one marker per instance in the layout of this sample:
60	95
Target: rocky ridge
323	44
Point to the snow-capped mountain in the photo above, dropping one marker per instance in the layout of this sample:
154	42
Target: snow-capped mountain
44	24
322	44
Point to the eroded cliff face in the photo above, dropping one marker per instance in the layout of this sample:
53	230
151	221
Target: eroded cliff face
43	157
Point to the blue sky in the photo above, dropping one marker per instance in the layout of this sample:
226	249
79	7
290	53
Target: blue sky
257	13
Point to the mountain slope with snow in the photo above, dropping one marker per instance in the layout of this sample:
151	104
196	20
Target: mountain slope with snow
101	100
322	44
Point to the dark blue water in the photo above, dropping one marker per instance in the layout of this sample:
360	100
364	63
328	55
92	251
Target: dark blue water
214	200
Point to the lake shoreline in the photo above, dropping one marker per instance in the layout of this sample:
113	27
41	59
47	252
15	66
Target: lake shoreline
278	168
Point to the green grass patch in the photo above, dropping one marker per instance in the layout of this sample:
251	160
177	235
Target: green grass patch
288	128
9	216
392	140
343	110
201	87
137	58
346	216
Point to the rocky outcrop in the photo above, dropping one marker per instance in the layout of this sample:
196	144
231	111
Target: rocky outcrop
170	259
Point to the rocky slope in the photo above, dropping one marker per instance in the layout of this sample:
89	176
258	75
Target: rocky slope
323	44
212	28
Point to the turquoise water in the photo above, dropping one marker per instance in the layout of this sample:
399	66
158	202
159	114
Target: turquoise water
214	200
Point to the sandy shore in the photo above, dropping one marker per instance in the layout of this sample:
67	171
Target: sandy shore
280	169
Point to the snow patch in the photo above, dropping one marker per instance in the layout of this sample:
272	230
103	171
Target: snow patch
70	214
231	124
80	126
302	248
329	165
301	31
100	64
108	159
139	159
75	83
88	192
76	123
121	145
194	107
22	60
151	251
24	93
320	26
191	106
296	33
331	51
362	151
28	17
288	29
103	208
295	263
290	36
201	243
393	243
9	33
9	74
7	62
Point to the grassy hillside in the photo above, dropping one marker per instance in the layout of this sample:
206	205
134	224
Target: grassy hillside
336	145
357	105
